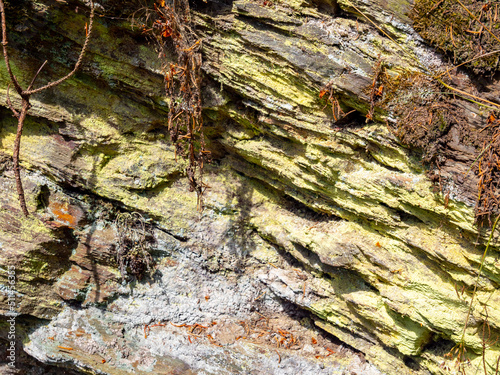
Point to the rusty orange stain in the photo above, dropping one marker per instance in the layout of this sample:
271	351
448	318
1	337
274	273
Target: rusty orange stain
62	212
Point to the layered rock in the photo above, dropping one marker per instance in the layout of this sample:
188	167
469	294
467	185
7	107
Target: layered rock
336	218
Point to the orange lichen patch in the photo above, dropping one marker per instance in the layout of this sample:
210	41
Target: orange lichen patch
65	214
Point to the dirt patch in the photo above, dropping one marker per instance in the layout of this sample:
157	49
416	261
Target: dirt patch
459	140
425	114
464	30
487	169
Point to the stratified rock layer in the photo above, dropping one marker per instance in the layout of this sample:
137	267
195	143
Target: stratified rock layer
336	218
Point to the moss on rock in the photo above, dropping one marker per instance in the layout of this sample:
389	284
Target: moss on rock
464	30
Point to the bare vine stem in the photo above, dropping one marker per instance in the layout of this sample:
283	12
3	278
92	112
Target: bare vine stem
479	276
26	95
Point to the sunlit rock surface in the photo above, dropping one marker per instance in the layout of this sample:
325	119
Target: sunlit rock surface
326	229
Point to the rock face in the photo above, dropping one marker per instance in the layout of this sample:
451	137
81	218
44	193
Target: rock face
317	226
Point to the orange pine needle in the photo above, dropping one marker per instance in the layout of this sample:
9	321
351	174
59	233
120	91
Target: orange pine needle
64	347
178	325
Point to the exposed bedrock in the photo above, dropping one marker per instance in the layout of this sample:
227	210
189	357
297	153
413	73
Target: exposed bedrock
328	229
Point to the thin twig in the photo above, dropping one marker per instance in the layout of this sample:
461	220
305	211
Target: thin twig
493	228
36	75
467	94
468	61
79	61
475	18
9	103
15	157
5	54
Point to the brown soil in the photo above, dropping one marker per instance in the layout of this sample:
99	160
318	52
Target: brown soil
458	139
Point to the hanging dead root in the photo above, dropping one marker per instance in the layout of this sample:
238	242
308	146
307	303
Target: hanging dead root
376	88
327	94
135	242
171	22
